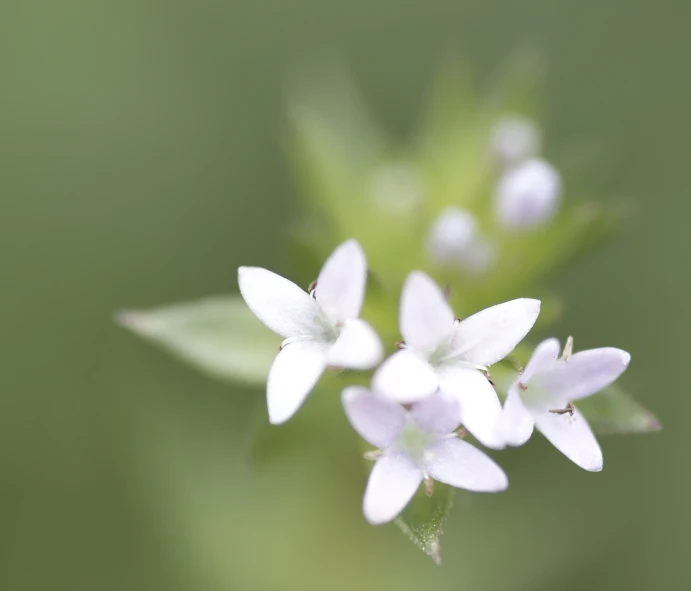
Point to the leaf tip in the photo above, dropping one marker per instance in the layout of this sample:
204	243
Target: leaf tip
135	321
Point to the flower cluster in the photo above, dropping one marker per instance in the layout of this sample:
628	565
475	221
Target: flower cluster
436	388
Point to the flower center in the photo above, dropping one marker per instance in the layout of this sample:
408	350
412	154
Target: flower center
414	441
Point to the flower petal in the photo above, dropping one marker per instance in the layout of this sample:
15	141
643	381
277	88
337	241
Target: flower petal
279	303
516	422
405	377
377	420
490	335
426	319
392	483
341	282
480	410
542	358
437	414
571	435
584	373
293	374
459	464
357	347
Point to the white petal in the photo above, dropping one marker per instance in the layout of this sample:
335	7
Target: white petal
426	319
392	483
528	195
279	303
571	435
377	420
480	410
490	335
405	377
341	282
542	358
584	373
516	422
437	414
293	374
357	347
459	464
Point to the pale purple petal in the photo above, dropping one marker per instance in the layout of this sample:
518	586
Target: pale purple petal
341	282
571	435
437	414
516	422
293	374
357	347
426	319
377	420
543	357
392	483
584	373
459	464
280	304
490	335
480	409
405	377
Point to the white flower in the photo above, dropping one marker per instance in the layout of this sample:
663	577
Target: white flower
452	356
320	329
528	195
515	139
542	396
455	241
415	445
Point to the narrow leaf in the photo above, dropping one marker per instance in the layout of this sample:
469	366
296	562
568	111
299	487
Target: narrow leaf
423	519
614	412
218	335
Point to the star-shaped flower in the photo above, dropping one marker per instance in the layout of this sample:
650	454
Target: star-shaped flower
417	444
452	356
543	394
320	328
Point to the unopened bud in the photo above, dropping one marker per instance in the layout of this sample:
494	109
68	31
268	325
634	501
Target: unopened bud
528	195
397	188
452	234
455	241
515	139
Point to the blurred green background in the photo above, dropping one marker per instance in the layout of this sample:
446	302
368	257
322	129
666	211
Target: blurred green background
142	163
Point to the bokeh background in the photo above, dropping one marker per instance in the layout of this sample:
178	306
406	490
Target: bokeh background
141	164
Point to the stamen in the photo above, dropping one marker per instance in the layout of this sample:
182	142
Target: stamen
429	486
570	409
372	455
568	348
400	345
522	387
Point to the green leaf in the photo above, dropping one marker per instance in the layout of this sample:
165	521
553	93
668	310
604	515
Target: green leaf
614	412
423	519
219	336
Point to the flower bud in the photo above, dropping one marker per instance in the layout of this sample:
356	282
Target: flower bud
527	196
397	188
515	139
455	241
451	235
